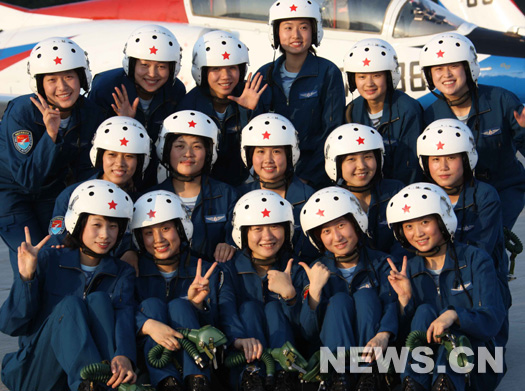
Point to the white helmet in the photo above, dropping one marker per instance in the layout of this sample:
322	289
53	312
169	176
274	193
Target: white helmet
97	197
419	200
157	207
329	204
57	54
121	134
261	207
218	49
449	48
190	122
446	137
295	9
350	138
371	55
269	130
155	43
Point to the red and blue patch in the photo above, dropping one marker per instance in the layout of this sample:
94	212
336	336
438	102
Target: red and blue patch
57	225
23	141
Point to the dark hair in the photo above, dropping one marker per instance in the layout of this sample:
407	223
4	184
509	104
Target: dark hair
287	150
467	171
133	63
397	228
74	239
242	74
470	82
287	240
172	137
315	233
352	85
313	24
137	175
377	155
137	233
81	73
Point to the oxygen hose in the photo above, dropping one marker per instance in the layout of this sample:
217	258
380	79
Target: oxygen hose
101	372
515	246
418	338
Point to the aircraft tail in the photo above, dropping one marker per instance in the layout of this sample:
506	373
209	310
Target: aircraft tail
13	18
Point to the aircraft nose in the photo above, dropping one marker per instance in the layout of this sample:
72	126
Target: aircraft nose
497	43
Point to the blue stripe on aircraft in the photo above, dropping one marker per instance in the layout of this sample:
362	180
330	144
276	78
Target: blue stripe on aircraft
8	52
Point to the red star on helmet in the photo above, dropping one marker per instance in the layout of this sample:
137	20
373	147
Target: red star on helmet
58	60
192	124
151	213
266	213
320	213
124	142
112	205
406	209
360	141
366	62
226	56
153	50
293	8
440	53
266	135
440	145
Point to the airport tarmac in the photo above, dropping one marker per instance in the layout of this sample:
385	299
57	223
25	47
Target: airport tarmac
515	347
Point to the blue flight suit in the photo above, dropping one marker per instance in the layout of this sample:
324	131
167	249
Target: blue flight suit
400	125
315	107
211	216
498	137
34	169
164	103
167	302
297	194
480	320
63	324
351	314
381	236
229	167
57	225
259	313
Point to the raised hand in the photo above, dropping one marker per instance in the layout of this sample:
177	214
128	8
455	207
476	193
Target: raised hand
400	282
281	282
252	92
318	275
51	116
28	255
122	106
200	287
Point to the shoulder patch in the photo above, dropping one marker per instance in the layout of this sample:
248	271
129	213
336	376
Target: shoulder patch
23	141
306	290
56	225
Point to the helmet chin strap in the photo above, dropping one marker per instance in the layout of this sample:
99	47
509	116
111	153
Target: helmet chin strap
170	261
454	190
455	102
273	185
183	178
91	253
263	262
349	258
358	189
142	90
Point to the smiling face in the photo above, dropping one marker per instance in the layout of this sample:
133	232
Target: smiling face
188	155
150	76
295	35
372	86
358	169
265	241
62	89
100	234
118	167
447	170
450	79
162	240
339	236
222	80
269	163
423	233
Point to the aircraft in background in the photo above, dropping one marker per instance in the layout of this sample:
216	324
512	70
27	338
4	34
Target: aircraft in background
101	27
502	15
